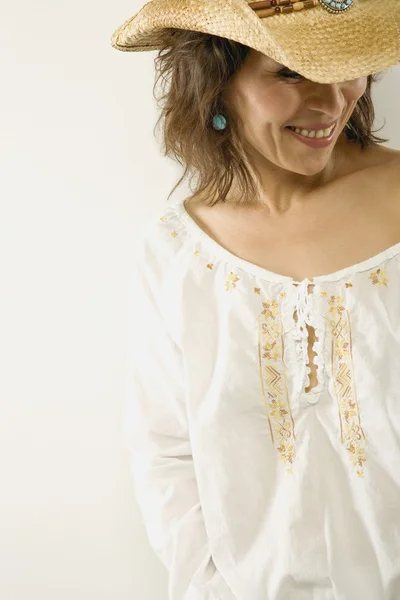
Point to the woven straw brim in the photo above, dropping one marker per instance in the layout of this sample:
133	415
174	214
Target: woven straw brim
322	46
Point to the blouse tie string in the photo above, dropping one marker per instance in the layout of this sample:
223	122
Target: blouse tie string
303	308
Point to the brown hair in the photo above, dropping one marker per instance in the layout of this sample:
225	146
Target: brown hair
194	68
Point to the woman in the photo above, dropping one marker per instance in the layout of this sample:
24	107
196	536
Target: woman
264	415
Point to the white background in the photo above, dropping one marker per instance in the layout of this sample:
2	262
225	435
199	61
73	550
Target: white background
80	173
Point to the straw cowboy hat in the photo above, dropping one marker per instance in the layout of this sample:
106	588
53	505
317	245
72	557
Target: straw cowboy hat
326	41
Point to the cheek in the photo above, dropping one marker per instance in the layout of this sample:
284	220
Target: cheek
357	88
270	105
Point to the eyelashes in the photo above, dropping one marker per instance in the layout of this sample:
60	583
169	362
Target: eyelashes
287	74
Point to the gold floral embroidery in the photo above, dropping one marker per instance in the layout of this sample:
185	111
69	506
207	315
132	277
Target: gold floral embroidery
231	281
273	382
351	432
273	375
379	277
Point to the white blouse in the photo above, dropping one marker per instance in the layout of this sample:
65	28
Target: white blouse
250	487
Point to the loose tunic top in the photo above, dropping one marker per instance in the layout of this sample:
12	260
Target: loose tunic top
251	487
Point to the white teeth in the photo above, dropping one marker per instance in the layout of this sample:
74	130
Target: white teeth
321	133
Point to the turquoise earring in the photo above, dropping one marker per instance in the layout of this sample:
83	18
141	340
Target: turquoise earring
219	122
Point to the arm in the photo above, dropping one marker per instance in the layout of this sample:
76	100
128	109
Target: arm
161	458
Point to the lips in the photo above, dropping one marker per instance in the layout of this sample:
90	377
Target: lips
315	142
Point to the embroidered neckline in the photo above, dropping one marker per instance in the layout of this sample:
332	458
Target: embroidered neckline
262	273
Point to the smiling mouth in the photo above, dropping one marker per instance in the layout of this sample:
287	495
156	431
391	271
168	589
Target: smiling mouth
332	129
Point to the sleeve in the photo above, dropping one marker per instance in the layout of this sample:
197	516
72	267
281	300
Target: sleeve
160	453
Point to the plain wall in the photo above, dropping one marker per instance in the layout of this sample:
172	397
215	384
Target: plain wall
80	173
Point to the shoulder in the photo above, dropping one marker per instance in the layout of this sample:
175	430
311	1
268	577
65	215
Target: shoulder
160	237
390	177
161	257
386	176
387	159
393	161
379	168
